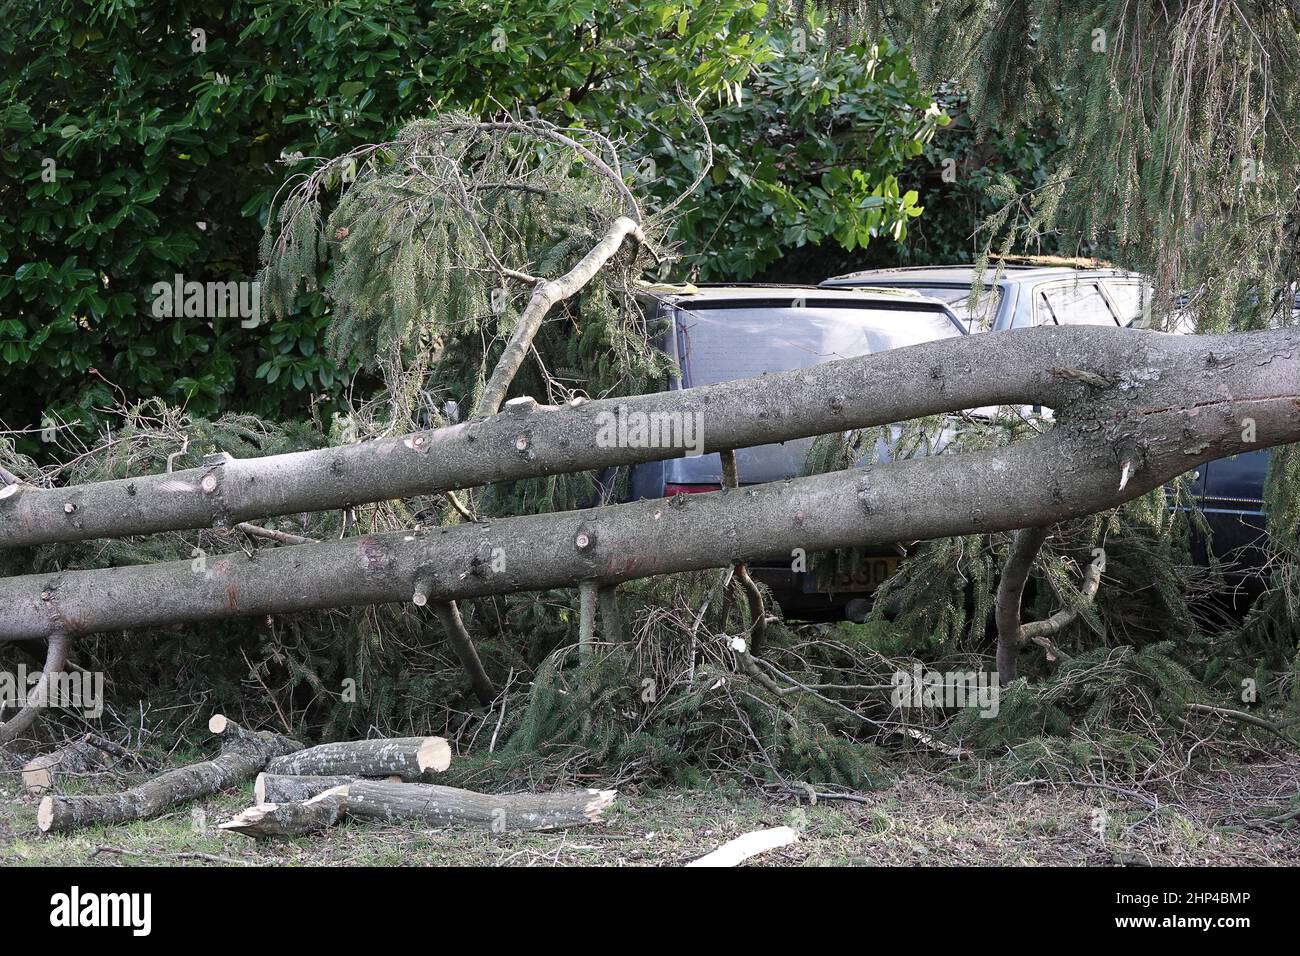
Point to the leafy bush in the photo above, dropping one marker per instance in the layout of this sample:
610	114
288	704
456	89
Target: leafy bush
142	141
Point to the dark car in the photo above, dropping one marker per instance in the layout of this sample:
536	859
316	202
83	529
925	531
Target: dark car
720	333
1230	491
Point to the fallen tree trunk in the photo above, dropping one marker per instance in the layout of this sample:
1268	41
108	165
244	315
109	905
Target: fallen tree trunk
410	758
1152	424
243	754
527	440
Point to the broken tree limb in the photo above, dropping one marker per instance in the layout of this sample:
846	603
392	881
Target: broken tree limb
56	659
411	758
546	294
757	630
1011	591
1066	472
448	806
1041	632
122	753
990	369
611	615
463	645
1012	635
586	619
737	851
267	820
243	754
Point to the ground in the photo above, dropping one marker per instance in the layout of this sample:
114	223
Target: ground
922	819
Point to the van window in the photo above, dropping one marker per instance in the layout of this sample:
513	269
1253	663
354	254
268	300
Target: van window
721	344
1079	303
1131	299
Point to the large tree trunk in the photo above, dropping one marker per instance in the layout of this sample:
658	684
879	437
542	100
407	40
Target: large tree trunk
1145	405
243	754
1029	366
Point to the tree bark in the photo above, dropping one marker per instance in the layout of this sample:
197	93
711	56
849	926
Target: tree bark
586	619
448	806
611	614
243	754
294	788
1017	367
56	659
1175	402
460	641
267	820
1011	590
411	758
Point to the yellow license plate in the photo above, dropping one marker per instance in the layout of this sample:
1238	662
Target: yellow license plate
867	575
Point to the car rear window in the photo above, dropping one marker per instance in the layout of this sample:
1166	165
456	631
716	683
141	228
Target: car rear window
721	344
957	298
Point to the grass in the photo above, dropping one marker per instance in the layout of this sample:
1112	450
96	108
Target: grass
923	819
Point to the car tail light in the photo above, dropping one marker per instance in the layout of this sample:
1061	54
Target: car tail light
670	490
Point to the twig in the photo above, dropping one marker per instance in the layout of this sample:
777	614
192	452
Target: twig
190	855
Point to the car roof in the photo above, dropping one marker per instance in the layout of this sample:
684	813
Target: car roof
734	294
1012	273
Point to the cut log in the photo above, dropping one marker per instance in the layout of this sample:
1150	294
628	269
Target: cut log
291	788
737	851
410	758
449	807
243	754
79	757
291	819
